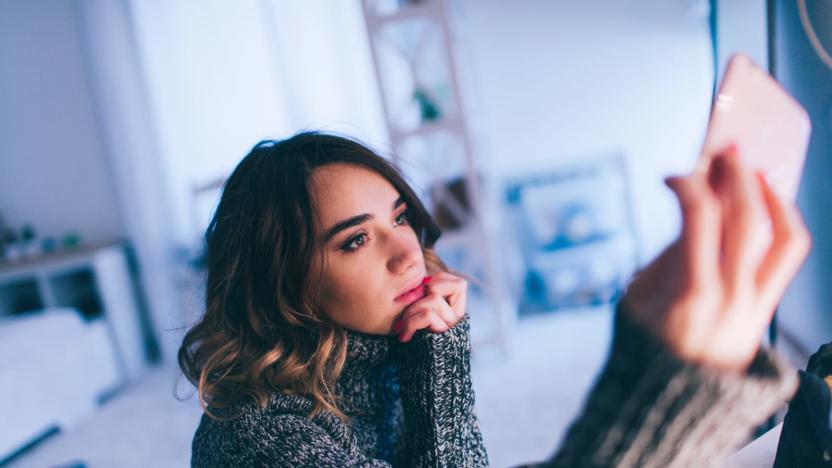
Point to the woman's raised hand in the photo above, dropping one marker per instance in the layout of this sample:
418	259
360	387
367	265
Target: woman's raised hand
442	307
710	295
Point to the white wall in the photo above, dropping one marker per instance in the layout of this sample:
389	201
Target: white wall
133	150
546	82
557	81
53	167
742	26
223	75
112	110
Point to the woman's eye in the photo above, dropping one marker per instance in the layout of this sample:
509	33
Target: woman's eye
355	243
402	218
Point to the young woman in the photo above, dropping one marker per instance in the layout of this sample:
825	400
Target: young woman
333	335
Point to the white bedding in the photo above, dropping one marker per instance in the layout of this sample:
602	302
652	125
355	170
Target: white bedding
53	368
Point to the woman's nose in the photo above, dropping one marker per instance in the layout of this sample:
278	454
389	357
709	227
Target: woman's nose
405	254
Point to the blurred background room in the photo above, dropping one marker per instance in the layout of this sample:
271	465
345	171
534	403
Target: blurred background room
538	132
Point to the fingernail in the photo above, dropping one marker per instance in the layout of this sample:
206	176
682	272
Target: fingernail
425	280
732	149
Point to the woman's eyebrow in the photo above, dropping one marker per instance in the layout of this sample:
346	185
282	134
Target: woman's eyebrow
354	221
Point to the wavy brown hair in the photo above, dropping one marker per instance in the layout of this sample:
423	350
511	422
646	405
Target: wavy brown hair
261	331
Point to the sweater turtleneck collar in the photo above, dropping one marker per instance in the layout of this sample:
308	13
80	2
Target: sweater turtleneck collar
364	349
368	390
368	372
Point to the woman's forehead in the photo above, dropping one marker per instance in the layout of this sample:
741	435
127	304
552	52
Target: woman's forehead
344	190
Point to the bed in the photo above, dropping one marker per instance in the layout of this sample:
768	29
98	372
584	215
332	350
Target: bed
55	368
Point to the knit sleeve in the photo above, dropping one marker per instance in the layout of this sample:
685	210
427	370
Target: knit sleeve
286	441
649	408
441	425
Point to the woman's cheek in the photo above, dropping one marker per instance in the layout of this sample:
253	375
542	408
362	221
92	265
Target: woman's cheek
358	284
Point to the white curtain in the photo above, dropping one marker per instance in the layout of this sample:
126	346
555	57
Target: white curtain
223	75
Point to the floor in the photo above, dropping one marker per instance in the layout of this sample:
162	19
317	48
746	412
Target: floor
525	402
142	426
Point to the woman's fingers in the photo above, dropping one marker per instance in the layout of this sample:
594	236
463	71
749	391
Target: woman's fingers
789	246
700	238
430	312
423	319
440	307
452	288
742	220
440	310
709	295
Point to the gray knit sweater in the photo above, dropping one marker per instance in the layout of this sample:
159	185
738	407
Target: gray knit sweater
412	405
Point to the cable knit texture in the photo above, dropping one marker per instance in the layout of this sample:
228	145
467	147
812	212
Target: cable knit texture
409	404
649	408
412	405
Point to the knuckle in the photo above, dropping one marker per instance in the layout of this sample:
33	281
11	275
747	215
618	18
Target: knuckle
802	232
418	313
790	234
798	241
805	240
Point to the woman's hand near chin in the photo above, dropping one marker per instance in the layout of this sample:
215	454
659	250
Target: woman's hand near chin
442	307
711	294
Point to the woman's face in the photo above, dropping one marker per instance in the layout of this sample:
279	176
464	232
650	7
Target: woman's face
371	253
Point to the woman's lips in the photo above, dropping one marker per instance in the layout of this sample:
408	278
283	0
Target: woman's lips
413	295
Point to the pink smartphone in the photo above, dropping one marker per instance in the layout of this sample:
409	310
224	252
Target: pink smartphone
770	128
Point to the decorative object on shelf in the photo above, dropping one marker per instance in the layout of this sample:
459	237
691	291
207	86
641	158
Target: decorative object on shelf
4	236
428	108
3	228
70	240
11	250
575	229
407	3
28	245
48	244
